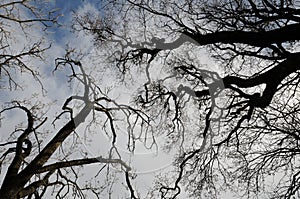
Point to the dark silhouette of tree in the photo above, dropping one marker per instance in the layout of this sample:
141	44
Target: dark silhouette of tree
237	130
32	171
36	162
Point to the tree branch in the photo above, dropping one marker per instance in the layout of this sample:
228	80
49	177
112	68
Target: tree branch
79	162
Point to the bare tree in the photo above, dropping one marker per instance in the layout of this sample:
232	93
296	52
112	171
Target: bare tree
32	171
237	130
37	160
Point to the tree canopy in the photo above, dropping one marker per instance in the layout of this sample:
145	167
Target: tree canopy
212	83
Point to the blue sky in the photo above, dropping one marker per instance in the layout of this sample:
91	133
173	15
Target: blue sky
66	8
